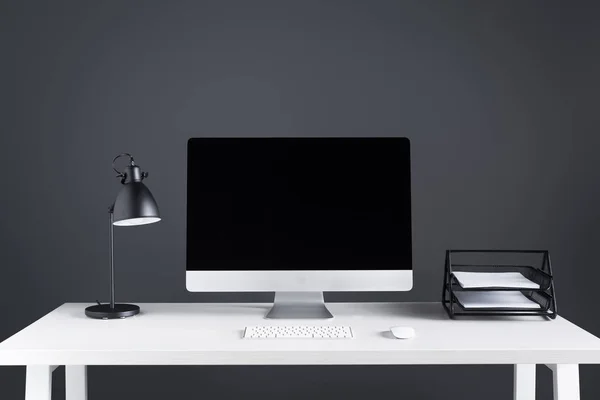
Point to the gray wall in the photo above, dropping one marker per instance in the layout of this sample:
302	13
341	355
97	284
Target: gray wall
498	97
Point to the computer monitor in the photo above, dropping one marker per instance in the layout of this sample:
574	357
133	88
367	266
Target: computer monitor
298	216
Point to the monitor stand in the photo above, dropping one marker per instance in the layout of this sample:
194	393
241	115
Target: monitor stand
298	305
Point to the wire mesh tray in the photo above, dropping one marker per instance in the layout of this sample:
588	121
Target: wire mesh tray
530	273
533	265
540	300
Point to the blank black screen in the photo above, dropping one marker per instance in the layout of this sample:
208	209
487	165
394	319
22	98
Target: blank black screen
298	204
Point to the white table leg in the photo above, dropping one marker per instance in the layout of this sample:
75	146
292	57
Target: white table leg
76	382
38	382
524	382
566	381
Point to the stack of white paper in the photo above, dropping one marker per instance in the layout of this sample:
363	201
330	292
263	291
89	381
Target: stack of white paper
512	280
476	299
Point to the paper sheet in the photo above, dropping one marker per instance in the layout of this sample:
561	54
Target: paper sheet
513	280
495	300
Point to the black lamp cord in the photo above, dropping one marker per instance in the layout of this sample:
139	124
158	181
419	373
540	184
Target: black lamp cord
123	175
120	174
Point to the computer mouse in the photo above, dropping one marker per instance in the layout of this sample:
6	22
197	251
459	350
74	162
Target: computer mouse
402	332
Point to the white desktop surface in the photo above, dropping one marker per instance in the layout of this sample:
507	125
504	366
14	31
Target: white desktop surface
211	334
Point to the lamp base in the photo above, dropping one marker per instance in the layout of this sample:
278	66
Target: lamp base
104	311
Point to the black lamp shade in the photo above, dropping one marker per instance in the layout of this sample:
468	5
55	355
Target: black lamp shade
135	205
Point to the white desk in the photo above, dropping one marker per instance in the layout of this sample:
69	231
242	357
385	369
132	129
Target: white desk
211	334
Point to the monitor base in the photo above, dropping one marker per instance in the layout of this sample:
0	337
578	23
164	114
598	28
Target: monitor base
299	305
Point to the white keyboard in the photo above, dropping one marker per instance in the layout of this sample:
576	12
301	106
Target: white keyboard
298	332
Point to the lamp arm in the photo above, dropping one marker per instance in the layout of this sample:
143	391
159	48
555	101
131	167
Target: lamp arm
112	258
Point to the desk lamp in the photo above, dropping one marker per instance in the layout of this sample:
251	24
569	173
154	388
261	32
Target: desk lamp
134	205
